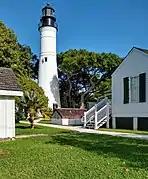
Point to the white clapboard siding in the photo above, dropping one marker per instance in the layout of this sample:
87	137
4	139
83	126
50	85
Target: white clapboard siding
134	64
7	117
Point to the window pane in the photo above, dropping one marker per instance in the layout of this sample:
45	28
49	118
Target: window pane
45	59
134	89
142	87
126	90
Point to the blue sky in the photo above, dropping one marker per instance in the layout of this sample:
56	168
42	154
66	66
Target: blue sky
97	25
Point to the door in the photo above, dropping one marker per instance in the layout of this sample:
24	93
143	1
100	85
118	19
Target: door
2	117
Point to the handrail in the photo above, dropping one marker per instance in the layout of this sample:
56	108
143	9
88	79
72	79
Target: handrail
98	104
91	109
92	113
101	109
102	101
102	119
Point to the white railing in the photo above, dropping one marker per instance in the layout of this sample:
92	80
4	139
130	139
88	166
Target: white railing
97	113
101	116
89	115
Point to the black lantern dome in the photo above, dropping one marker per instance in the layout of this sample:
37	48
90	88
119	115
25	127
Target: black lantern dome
48	18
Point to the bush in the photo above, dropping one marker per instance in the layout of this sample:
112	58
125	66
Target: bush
33	99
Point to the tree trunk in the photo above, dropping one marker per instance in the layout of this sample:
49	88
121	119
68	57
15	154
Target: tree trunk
89	90
85	93
69	92
31	120
82	105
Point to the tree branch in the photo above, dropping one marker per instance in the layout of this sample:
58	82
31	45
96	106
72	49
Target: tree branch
103	77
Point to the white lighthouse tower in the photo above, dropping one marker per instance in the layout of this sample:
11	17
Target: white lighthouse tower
48	76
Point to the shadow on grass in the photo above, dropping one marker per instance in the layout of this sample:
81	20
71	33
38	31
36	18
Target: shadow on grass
132	151
22	127
27	126
25	129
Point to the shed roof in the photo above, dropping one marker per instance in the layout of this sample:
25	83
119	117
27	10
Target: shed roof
8	80
71	113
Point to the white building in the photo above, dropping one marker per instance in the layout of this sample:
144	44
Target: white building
9	88
68	116
48	76
130	91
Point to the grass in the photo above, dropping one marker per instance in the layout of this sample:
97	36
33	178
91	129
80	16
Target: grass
124	131
24	129
72	155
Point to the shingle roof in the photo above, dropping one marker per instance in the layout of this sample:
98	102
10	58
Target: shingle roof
8	80
71	113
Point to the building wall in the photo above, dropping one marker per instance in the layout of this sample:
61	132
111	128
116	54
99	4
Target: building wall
134	64
7	117
67	122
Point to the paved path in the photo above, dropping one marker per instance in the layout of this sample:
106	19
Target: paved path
80	129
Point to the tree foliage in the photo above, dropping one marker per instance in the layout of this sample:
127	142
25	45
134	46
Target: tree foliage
84	75
16	56
32	88
33	99
25	65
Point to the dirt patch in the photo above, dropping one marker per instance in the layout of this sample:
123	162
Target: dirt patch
31	135
6	139
3	153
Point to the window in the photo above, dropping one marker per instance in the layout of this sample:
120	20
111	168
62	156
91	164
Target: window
45	59
126	90
142	87
134	89
134	86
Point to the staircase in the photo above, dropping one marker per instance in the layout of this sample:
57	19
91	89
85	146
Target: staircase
98	115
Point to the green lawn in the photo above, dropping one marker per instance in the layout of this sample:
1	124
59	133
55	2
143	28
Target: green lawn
72	155
124	131
22	129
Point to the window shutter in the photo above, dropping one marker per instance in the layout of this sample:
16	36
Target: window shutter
126	90
142	87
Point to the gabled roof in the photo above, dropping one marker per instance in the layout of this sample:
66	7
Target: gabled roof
8	80
137	48
71	113
141	49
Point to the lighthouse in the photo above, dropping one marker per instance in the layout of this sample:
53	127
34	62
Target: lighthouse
48	75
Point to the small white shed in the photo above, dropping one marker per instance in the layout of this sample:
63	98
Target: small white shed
68	116
9	88
130	91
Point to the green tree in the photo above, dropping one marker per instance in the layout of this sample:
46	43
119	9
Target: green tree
84	75
33	99
16	56
25	65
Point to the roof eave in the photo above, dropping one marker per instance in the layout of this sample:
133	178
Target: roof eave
10	93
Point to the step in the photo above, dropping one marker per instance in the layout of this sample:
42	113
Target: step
91	122
87	127
101	124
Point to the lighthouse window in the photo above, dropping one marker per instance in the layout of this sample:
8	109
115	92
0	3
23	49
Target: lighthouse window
45	59
49	12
